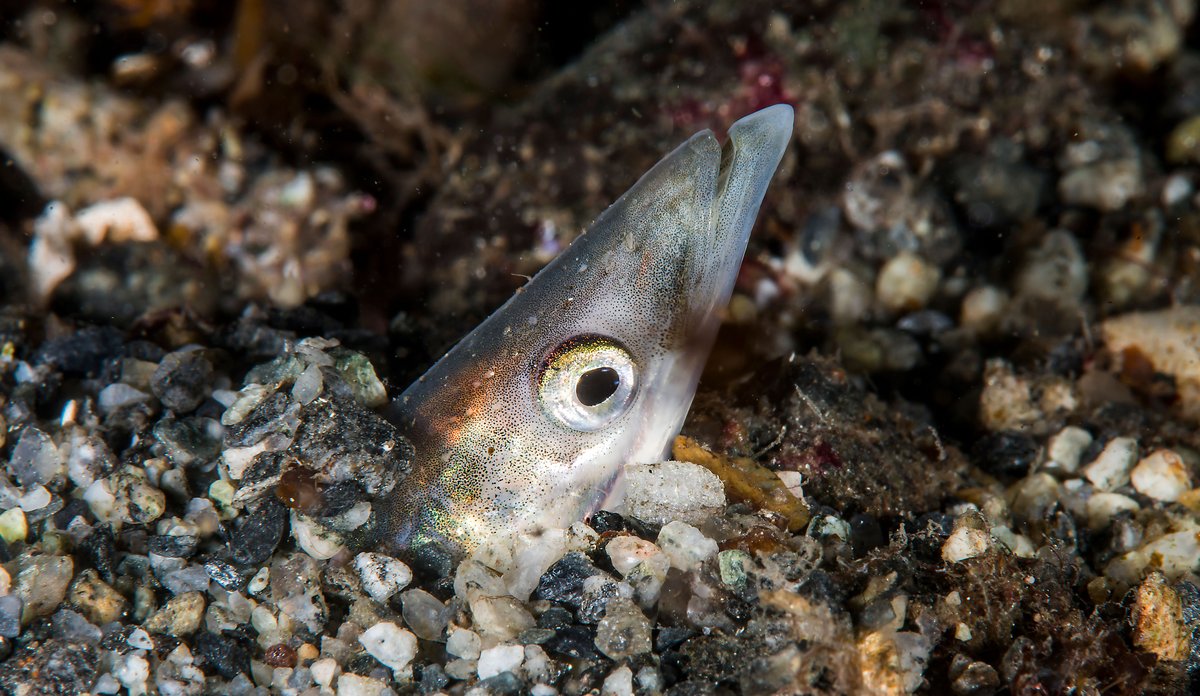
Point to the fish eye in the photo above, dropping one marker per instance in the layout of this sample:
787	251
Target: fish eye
587	382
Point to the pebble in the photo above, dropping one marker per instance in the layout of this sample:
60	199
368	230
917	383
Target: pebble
906	283
41	584
350	684
463	643
1055	271
317	540
381	576
626	552
180	616
1161	475
1157	616
35	460
685	546
10	616
183	380
119	396
1103	507
500	659
135	500
499	618
98	601
1065	449
1110	469
424	614
532	555
133	671
965	542
308	385
13	526
391	645
983	309
224	655
624	631
324	671
598	591
563	581
1170	340
619	682
258	531
35	499
666	491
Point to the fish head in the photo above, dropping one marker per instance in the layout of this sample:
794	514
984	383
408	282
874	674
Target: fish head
527	423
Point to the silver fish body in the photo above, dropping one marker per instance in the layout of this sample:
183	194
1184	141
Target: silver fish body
527	423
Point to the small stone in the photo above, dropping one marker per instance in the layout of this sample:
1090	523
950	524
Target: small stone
500	618
224	655
462	670
975	679
183	380
906	283
1158	625
598	591
72	626
179	617
317	541
280	655
10	616
463	643
308	385
349	684
35	460
139	639
619	682
626	552
502	658
358	373
563	581
119	396
1065	449
35	499
1161	475
983	309
685	546
1102	507
41	584
324	671
1110	469
98	601
965	543
666	491
391	645
382	576
733	564
424	614
258	532
172	546
13	527
136	501
624	631
133	671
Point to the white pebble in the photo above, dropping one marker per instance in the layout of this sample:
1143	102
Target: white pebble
1110	469
626	552
906	282
983	308
463	643
35	499
13	526
618	683
317	541
1065	449
500	659
685	546
390	644
350	684
138	639
382	576
1102	507
259	582
324	671
665	491
1161	475
965	543
308	385
132	671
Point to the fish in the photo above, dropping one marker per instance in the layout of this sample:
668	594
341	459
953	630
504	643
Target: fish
528	422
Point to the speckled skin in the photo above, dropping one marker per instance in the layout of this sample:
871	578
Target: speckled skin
653	273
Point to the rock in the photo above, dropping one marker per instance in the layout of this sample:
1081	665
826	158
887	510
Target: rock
1064	450
906	283
180	546
13	526
983	309
1110	469
41	584
35	460
382	576
624	631
10	616
1161	475
666	491
685	546
182	380
626	552
134	499
324	671
619	682
598	591
500	659
133	671
1158	625
499	618
98	601
463	643
965	543
1170	340
424	614
258	532
563	581
180	616
223	655
72	626
354	685
390	644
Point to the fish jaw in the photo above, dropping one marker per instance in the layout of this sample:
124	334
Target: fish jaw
646	283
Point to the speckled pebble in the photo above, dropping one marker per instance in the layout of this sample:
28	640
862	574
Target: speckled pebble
1161	475
382	576
685	546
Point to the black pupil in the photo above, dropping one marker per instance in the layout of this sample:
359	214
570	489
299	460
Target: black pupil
595	386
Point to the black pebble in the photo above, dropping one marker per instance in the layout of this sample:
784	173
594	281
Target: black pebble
98	548
1006	453
258	532
82	353
433	679
182	380
223	655
563	581
172	546
555	618
574	641
503	684
225	574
